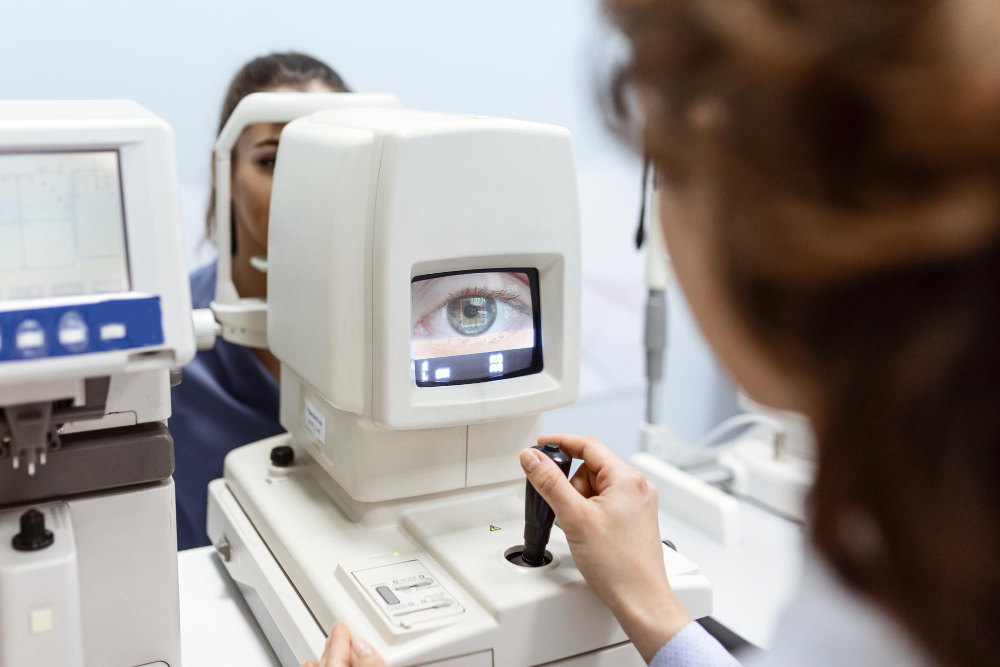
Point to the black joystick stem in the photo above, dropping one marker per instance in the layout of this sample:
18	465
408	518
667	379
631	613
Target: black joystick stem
538	515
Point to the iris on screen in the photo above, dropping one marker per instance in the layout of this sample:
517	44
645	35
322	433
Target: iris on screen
466	315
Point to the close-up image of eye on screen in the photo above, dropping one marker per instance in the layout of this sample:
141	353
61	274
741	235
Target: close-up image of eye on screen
474	326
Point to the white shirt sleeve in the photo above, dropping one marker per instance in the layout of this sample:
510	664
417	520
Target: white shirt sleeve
693	647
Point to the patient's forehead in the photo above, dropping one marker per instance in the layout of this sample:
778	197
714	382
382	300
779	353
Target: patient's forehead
258	133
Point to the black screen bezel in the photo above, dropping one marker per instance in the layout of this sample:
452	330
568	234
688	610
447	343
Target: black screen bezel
537	359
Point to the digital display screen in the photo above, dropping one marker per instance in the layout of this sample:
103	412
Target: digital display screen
62	225
474	326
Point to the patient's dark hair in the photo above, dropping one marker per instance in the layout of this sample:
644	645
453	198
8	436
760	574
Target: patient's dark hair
294	70
849	154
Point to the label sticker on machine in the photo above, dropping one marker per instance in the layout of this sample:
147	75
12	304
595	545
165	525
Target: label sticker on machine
314	420
407	594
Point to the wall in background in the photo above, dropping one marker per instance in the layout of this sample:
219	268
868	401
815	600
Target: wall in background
521	59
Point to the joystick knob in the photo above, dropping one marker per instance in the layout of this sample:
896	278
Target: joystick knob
33	535
538	515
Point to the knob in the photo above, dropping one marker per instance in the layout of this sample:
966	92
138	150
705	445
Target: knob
206	329
33	535
282	456
538	515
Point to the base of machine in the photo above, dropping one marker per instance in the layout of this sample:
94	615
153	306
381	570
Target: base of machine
104	592
429	586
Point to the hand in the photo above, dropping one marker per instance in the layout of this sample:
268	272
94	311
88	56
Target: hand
609	513
341	651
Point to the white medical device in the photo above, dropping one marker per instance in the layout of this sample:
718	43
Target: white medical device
239	319
424	302
94	314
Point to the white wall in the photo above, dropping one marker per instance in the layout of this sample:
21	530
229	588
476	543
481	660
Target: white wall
532	60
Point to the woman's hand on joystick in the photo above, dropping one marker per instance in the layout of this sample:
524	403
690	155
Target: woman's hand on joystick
610	516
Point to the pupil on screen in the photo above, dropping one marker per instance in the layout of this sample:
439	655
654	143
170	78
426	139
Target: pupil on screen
472	315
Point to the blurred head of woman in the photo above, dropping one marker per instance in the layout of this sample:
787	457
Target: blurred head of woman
830	179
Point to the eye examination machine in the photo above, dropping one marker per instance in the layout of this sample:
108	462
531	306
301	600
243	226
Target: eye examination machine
424	302
94	314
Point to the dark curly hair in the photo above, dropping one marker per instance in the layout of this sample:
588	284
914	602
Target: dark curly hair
852	149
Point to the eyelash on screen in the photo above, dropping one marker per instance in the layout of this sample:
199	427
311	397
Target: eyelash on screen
508	296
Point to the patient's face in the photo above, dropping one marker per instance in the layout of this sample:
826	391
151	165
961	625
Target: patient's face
253	173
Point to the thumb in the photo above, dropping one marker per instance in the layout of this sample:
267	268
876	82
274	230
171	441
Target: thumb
338	647
551	483
365	655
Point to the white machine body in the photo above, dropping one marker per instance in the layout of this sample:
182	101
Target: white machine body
302	562
405	495
46	215
94	314
365	201
85	185
105	592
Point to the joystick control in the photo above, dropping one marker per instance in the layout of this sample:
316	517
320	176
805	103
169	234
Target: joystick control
538	515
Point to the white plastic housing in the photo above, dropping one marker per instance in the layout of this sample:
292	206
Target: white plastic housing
363	201
244	319
299	558
40	621
104	593
152	232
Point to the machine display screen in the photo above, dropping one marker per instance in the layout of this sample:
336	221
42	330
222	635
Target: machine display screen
62	225
474	326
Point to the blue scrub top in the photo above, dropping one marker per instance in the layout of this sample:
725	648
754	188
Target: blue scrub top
227	399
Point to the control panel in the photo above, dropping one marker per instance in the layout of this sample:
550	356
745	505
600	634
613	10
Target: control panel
91	248
406	594
68	329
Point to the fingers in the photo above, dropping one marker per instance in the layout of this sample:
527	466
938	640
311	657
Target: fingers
365	655
595	454
551	484
583	481
338	647
310	663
